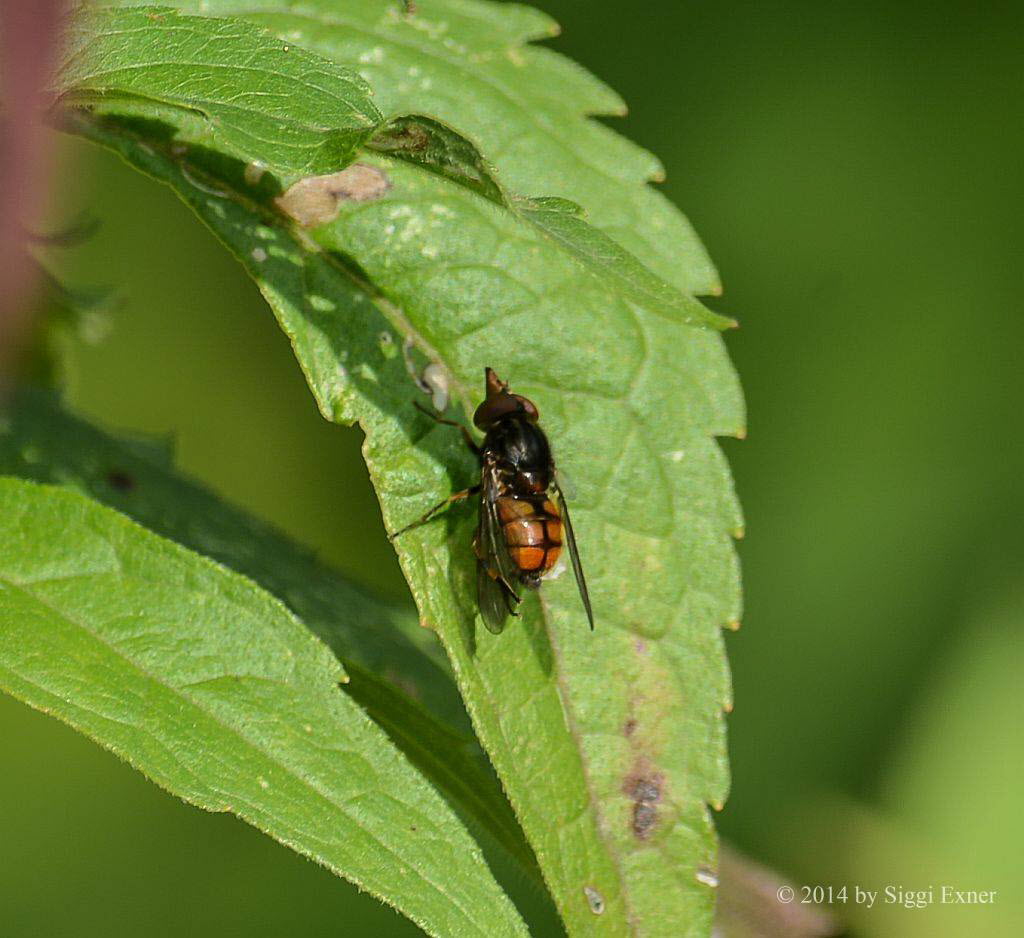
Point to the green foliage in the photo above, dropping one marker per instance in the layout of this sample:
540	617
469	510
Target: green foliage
437	148
209	686
526	108
390	671
226	85
609	745
250	94
42	442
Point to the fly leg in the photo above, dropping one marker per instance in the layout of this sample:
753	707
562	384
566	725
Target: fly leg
470	442
458	496
512	601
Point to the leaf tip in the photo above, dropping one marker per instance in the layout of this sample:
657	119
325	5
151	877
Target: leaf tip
717	320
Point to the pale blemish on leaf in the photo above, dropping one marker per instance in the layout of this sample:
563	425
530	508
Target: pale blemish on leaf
316	200
594	899
321	303
254	171
706	877
436	382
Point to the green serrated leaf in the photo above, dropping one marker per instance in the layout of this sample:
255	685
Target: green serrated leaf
564	223
210	687
239	88
469	64
437	148
393	674
41	441
654	643
630	400
610	744
431	145
460	770
226	85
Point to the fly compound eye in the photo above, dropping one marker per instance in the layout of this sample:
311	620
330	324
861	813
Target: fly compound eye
504	405
529	409
494	408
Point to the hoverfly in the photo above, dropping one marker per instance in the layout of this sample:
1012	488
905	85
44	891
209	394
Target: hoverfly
524	519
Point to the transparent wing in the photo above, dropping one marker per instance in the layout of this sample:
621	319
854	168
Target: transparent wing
496	572
574	554
493	598
491	537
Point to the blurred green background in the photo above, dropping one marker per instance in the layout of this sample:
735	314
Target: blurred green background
855	171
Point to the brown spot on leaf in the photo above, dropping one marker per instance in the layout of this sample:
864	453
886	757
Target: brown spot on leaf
629	728
645	816
402	136
645	788
120	480
316	200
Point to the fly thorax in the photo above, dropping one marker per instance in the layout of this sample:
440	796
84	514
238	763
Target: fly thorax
533	481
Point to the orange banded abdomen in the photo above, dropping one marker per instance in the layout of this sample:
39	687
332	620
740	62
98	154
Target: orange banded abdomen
532	528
